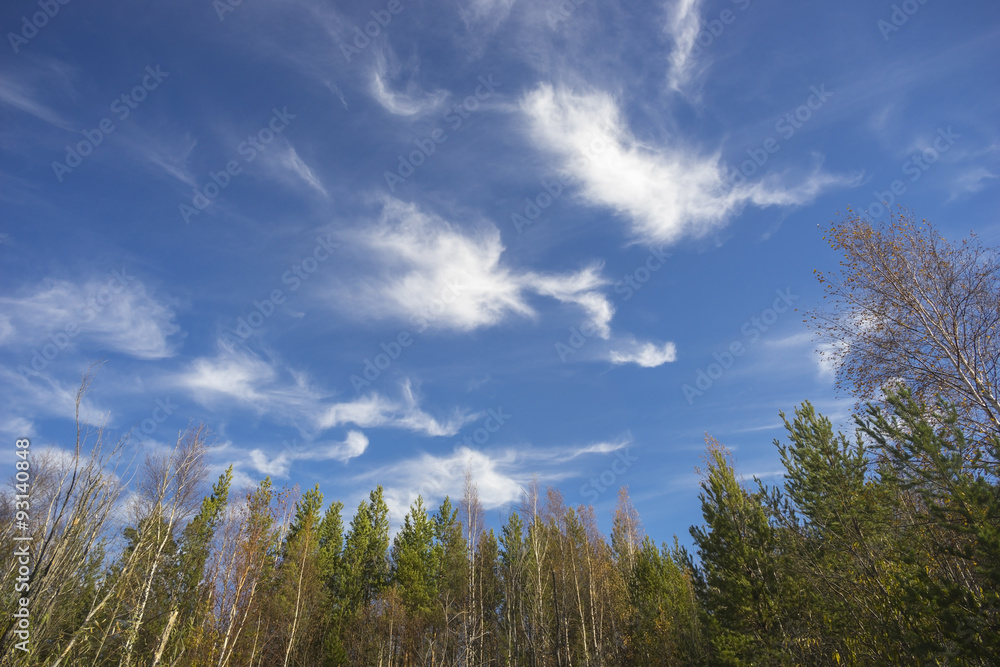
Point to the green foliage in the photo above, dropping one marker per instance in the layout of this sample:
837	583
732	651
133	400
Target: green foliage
366	552
414	560
825	474
450	552
196	543
664	627
740	590
956	483
880	548
332	573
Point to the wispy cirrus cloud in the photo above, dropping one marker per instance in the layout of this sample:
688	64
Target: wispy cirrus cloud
242	379
970	181
168	153
19	95
664	193
413	102
294	165
116	314
430	270
488	14
353	446
501	475
375	410
683	25
647	355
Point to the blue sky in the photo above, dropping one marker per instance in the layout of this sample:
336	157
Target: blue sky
489	233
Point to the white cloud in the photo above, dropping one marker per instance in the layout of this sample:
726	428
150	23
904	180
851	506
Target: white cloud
15	94
970	181
32	396
433	272
486	13
580	289
236	376
16	427
433	477
168	152
375	410
6	328
500	476
795	340
289	395
665	193
413	102
115	314
647	355
284	164
683	26
596	448
291	161
353	446
829	356
403	104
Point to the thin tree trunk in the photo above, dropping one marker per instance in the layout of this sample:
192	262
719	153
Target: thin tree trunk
166	637
298	600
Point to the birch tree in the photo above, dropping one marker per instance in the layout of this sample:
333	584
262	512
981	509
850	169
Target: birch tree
909	307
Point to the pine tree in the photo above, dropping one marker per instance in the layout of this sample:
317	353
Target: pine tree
366	563
333	574
299	594
841	544
366	550
664	628
956	482
740	589
513	573
452	578
414	567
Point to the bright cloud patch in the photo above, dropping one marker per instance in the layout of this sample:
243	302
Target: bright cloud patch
413	102
294	164
290	396
684	25
375	410
665	193
647	355
501	476
436	275
113	313
580	289
433	477
236	376
352	447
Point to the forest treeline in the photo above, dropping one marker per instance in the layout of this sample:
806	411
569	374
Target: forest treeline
877	547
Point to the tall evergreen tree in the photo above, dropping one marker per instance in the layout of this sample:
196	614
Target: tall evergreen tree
299	594
366	551
414	566
838	535
513	573
740	590
333	574
452	577
956	480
